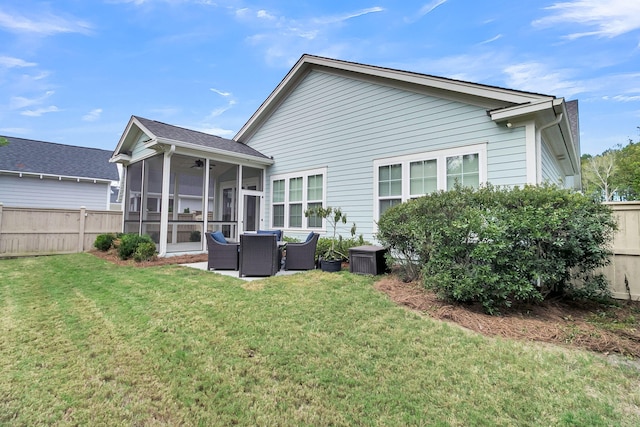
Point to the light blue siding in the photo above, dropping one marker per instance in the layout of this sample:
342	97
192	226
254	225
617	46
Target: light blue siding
51	193
551	171
345	124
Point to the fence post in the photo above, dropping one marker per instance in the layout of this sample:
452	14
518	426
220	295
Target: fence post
83	214
1	217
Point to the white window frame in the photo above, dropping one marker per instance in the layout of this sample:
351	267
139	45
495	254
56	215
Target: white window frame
441	162
304	175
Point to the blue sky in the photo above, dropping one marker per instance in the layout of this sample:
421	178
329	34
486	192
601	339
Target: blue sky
74	71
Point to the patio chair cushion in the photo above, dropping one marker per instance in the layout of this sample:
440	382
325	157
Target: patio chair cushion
218	237
309	237
278	233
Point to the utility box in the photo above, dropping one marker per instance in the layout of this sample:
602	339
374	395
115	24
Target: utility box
368	260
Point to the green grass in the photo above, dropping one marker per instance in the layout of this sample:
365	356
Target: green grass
85	342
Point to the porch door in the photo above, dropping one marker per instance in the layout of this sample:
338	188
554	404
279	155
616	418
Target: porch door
252	217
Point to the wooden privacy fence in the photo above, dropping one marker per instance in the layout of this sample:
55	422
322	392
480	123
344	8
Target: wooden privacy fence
624	271
34	231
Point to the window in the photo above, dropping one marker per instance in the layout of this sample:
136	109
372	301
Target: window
292	194
278	203
389	186
463	169
402	178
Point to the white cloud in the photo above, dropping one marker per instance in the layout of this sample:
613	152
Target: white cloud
217	131
40	111
18	102
92	115
44	24
538	78
491	40
10	62
218	111
346	16
263	14
425	10
219	92
608	19
626	98
15	131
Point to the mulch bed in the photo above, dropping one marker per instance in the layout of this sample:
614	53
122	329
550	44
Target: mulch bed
553	321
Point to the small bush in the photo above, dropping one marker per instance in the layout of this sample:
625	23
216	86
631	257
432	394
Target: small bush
145	251
129	243
341	246
104	242
195	236
502	246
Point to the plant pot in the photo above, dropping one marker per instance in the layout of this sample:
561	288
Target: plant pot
331	265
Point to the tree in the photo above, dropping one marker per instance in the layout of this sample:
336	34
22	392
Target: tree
600	177
629	171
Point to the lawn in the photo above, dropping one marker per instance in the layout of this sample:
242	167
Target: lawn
83	341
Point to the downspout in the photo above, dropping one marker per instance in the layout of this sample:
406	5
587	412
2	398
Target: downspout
164	208
539	145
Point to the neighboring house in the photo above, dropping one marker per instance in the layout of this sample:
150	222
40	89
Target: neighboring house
337	133
47	175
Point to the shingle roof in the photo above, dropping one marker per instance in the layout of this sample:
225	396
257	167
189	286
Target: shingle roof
176	133
26	155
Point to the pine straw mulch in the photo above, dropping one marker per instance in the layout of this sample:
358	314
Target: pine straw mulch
607	329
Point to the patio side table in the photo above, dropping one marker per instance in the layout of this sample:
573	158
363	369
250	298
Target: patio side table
367	259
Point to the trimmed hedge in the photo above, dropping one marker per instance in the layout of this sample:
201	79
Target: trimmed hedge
104	242
501	246
130	242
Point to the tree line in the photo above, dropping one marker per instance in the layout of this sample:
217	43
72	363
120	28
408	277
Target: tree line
613	175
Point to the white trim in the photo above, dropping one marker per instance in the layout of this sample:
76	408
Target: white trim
58	177
533	164
304	174
440	156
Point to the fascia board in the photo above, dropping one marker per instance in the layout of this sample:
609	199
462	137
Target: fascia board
521	110
58	177
127	131
120	158
195	149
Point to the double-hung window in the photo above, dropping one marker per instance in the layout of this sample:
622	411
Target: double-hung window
399	179
293	194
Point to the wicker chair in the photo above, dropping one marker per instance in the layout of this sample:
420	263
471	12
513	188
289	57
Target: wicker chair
259	255
302	256
222	256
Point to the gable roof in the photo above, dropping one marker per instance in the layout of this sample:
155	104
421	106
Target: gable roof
493	97
48	158
163	133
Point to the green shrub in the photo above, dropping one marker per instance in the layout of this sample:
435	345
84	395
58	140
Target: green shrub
129	243
341	246
502	246
104	242
195	236
145	251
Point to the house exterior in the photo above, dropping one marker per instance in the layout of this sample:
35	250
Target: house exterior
364	138
42	174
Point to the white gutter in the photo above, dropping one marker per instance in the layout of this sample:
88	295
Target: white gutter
539	145
219	152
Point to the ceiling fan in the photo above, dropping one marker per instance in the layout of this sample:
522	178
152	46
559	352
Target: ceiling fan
199	164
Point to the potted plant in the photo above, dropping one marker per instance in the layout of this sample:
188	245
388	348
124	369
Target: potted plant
331	259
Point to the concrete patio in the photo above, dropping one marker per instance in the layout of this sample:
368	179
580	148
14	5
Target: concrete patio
235	273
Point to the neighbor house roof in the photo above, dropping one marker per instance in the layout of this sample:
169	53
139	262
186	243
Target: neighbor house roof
163	133
51	159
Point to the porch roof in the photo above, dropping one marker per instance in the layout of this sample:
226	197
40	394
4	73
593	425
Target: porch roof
163	133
